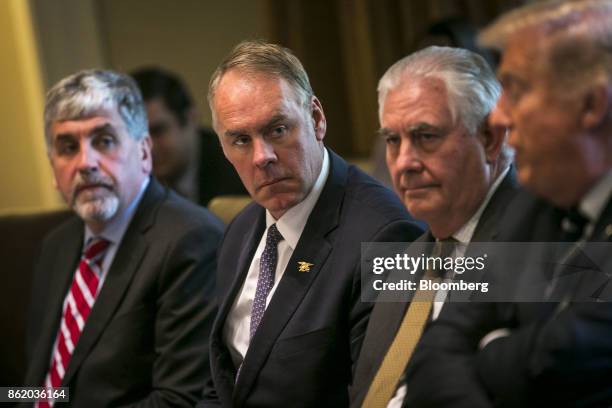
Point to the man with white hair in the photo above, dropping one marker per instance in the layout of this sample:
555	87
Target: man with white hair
122	294
556	72
451	171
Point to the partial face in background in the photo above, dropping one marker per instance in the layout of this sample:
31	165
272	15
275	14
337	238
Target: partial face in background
172	141
438	168
270	136
543	123
98	167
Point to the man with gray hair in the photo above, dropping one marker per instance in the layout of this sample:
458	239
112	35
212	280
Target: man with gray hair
122	293
556	72
451	171
291	319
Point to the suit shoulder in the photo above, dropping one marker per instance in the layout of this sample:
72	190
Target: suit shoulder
373	198
177	213
67	228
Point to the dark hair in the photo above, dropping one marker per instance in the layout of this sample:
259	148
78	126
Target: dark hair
158	83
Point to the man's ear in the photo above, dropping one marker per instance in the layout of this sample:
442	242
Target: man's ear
145	154
318	118
595	106
492	139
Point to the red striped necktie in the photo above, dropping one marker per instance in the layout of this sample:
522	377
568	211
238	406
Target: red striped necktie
78	304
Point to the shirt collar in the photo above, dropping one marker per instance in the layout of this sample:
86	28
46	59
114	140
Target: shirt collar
292	223
594	202
115	229
466	232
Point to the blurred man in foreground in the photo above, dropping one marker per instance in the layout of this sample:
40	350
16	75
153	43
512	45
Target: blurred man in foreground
556	74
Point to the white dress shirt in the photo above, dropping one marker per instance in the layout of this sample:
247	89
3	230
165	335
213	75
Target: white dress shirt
290	225
463	236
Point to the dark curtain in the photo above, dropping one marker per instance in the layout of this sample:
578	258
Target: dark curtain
346	45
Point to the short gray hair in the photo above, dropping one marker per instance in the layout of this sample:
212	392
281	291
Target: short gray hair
83	94
471	84
579	34
260	57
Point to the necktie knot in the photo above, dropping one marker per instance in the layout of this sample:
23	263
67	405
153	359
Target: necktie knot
95	249
274	236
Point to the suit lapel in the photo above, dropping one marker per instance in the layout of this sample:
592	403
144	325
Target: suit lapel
242	267
313	247
128	258
488	225
59	279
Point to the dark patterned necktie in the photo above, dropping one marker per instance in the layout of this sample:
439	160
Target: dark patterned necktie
265	281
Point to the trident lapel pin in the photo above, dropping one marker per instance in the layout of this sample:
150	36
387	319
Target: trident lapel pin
304	266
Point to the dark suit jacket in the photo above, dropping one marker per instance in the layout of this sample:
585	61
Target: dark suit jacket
386	317
554	356
144	343
303	352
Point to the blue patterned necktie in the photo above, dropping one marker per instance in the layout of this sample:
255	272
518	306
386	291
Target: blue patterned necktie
265	281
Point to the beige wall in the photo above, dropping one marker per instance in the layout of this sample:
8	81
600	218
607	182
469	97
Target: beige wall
42	41
25	179
189	37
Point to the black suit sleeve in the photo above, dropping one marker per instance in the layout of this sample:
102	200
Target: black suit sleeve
564	358
185	312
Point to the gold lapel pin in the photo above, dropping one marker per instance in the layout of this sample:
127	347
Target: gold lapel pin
304	266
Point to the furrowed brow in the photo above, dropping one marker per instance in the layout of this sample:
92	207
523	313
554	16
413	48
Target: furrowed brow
274	120
385	132
101	129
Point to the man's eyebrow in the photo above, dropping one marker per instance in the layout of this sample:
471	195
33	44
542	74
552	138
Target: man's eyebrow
417	127
385	132
234	133
103	128
100	129
64	137
275	119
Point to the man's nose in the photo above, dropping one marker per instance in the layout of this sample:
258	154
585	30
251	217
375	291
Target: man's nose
88	158
263	153
499	120
409	158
